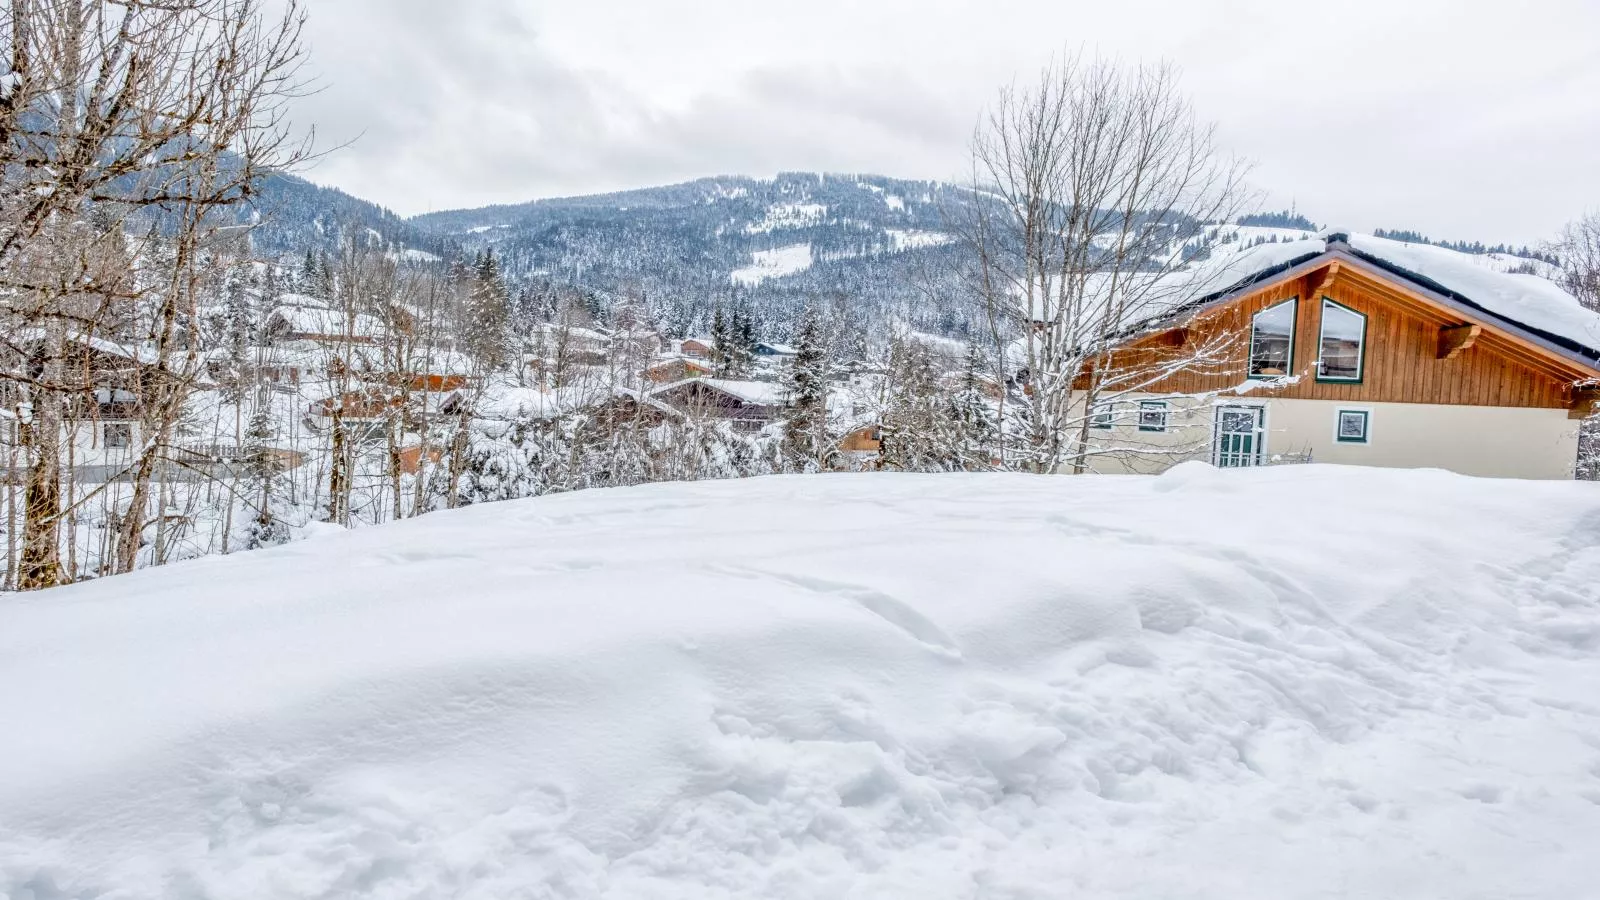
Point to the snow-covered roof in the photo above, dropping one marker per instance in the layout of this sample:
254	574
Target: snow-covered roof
143	354
509	402
758	393
321	320
777	349
1527	300
1530	302
573	332
440	362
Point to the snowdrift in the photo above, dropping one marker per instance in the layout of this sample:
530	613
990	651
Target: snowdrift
1294	682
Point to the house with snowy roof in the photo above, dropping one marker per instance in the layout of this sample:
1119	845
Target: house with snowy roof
1352	349
750	405
320	325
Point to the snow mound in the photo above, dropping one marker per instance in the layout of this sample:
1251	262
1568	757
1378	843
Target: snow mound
1296	682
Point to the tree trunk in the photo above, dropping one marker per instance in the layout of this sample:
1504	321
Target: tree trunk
40	563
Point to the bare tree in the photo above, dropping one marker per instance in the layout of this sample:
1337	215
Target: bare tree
1087	184
1579	251
124	117
1578	248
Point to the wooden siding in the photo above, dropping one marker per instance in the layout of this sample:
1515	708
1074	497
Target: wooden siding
1401	354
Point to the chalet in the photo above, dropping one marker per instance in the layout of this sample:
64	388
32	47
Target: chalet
750	405
698	348
667	371
427	370
103	415
295	322
1357	350
775	351
366	404
866	441
567	344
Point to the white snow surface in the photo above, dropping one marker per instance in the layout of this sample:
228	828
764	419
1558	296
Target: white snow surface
902	239
774	263
1300	682
780	216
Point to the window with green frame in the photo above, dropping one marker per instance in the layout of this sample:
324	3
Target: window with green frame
1152	415
1354	426
1344	343
1272	340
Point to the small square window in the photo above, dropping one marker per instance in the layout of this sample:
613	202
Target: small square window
117	436
1104	415
1152	415
1354	426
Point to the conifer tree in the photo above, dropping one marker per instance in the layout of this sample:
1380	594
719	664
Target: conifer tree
486	326
807	446
918	428
262	472
722	350
236	329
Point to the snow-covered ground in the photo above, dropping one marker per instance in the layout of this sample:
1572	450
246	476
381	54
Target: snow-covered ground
1282	683
774	263
901	239
789	215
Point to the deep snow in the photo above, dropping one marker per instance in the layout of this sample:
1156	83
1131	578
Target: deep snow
1282	683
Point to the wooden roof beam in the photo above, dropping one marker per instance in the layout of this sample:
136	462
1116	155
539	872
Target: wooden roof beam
1455	340
1322	285
1585	402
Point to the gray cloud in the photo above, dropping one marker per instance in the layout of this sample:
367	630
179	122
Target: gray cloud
1457	117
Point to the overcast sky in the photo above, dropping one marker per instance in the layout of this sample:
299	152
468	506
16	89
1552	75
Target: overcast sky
1463	118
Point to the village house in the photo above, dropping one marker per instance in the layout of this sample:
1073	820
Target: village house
667	371
775	352
699	348
1357	350
750	405
319	325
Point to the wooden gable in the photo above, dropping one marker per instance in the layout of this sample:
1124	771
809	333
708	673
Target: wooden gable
1416	351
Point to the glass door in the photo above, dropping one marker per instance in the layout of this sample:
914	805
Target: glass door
1239	436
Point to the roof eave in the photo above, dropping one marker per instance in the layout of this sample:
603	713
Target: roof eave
1341	252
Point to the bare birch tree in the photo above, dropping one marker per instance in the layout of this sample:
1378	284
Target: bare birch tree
120	118
1087	184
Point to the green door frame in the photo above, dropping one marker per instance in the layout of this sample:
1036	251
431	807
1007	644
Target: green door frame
1236	449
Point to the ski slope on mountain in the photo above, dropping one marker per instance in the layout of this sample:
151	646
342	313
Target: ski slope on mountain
1299	682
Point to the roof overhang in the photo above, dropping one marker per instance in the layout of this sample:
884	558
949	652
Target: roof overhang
1585	359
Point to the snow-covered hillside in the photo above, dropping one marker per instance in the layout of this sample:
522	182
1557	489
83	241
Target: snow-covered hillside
1279	683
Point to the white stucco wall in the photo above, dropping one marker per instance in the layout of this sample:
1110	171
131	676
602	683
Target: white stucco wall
1495	441
1473	440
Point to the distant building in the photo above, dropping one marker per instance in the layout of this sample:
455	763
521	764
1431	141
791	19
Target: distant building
667	371
750	405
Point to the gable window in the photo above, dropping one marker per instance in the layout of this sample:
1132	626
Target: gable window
1272	340
1344	340
1104	415
1354	426
117	435
1152	415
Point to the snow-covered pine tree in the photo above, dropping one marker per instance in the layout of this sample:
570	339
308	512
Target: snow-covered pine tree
974	416
744	342
722	350
486	324
262	474
807	445
237	326
919	431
